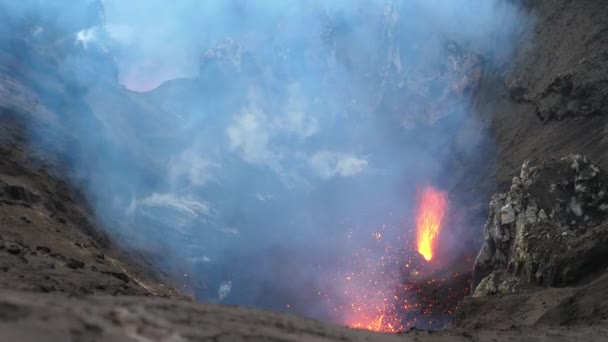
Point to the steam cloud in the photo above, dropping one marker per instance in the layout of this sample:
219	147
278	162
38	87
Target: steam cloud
261	143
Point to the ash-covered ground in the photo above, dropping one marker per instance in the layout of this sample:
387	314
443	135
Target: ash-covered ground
526	232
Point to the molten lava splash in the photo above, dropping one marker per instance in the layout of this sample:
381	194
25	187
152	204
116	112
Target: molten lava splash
433	204
389	288
371	286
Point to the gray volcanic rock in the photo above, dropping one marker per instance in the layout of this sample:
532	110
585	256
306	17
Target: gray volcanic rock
568	307
26	316
549	99
549	229
49	240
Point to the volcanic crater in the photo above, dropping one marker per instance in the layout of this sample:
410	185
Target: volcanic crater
448	186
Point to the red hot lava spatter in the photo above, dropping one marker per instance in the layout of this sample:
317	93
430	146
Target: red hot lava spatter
392	290
370	290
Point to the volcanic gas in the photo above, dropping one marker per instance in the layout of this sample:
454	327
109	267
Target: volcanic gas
431	211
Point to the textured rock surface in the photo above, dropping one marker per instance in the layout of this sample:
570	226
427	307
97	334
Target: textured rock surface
49	241
550	98
585	305
549	229
573	81
53	317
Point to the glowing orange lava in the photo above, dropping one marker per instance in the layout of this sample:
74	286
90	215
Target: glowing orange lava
382	319
431	211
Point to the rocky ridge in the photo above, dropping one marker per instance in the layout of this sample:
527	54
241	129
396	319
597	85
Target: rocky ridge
549	229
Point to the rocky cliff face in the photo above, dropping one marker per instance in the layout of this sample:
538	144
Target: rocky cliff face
549	100
548	224
549	229
50	240
545	237
573	83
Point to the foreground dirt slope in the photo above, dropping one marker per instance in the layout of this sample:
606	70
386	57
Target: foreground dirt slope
585	305
29	317
48	239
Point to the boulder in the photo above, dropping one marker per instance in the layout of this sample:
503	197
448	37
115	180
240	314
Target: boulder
549	229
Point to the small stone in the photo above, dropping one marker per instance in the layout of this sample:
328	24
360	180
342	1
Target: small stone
525	170
532	213
14	249
581	188
46	288
575	207
57	255
74	264
565	234
542	216
118	275
516	185
43	249
507	214
120	315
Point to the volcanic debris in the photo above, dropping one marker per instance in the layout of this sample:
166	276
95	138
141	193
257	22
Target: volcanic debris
549	229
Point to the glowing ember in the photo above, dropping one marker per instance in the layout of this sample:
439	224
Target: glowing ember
378	323
386	287
433	204
388	293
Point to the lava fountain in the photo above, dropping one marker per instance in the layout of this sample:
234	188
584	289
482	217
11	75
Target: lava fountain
431	211
390	289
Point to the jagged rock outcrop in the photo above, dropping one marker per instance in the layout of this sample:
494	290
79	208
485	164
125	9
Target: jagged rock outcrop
549	229
567	96
572	80
549	99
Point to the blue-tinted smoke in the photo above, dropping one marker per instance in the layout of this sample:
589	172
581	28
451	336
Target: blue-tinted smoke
261	143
